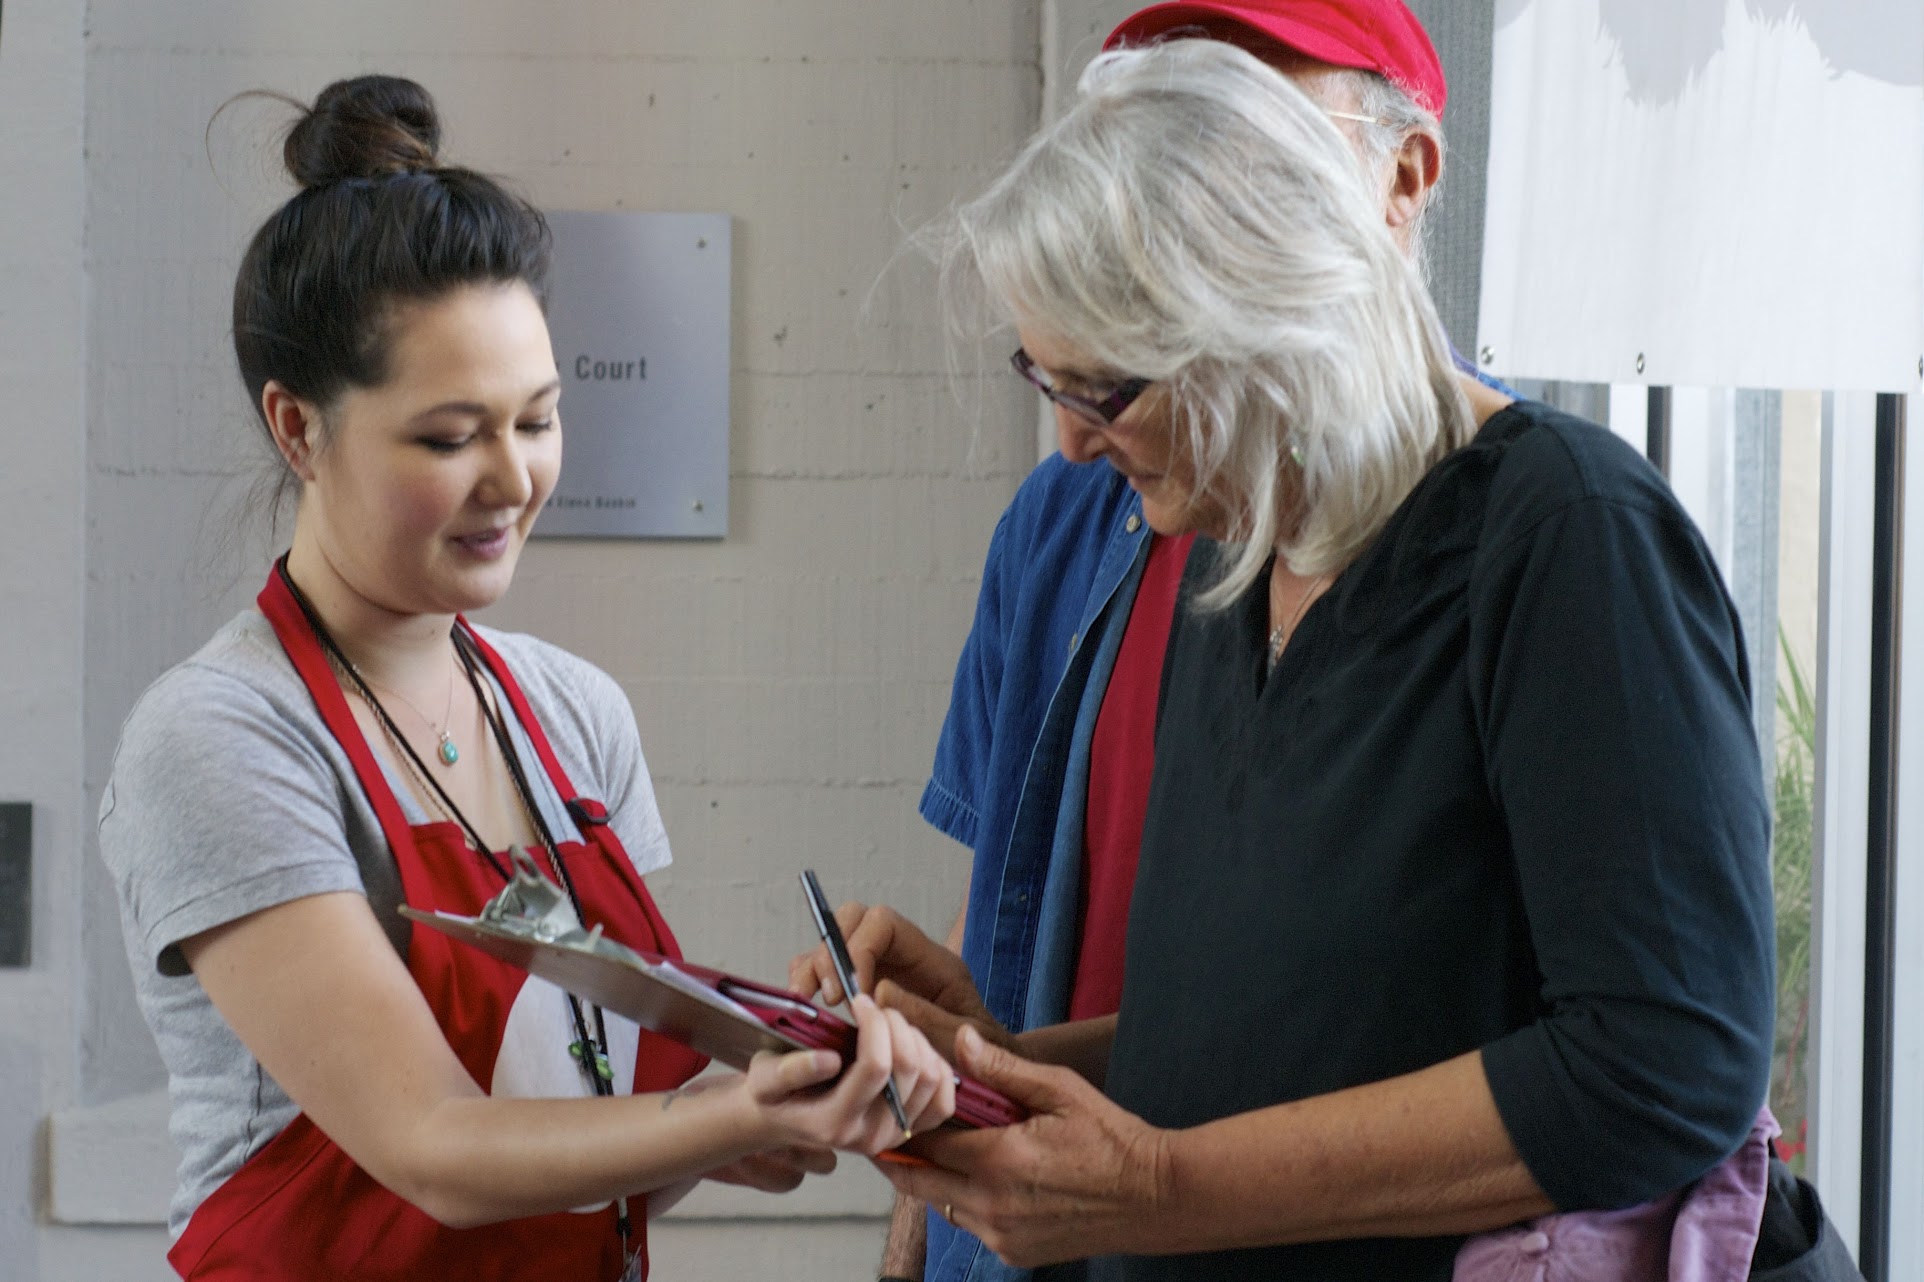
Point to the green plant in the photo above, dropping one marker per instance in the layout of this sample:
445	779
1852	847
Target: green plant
1791	848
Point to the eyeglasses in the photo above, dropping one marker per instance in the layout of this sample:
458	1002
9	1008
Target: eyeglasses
1350	115
1100	412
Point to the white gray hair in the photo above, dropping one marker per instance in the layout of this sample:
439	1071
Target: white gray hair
1197	220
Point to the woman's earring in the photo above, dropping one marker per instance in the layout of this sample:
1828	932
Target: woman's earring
1296	455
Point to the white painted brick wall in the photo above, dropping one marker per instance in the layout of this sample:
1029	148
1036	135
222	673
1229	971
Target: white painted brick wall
789	680
1077	29
42	534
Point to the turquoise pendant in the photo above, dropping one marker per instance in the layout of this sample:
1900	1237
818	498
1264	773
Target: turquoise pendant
448	752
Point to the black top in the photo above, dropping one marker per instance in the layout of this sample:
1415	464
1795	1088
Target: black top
1502	791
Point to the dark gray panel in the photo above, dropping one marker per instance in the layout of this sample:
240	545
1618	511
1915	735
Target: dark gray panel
1462	31
16	883
1585	400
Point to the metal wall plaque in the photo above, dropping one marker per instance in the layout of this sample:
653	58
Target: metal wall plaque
639	312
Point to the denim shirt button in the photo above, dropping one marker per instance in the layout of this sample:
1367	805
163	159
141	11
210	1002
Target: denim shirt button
1133	524
1074	641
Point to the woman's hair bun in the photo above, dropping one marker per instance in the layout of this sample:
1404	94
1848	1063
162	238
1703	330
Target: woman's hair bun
367	127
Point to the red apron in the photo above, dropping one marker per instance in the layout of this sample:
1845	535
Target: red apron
300	1210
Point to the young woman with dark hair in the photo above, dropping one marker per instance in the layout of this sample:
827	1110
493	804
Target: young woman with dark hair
352	1098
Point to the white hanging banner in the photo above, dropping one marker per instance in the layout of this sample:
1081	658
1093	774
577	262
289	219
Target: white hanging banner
1718	193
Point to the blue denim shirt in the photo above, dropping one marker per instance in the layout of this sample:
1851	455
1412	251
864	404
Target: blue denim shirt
1012	766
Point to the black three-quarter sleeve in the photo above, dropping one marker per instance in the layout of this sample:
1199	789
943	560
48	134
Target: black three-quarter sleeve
1606	665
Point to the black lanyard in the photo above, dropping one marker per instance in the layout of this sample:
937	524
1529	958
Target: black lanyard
591	1053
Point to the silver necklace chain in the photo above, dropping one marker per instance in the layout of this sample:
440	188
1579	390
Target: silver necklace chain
445	748
1279	634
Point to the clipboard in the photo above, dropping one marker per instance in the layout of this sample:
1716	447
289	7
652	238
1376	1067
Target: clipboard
531	926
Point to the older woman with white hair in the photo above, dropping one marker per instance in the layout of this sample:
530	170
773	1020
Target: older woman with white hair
1453	906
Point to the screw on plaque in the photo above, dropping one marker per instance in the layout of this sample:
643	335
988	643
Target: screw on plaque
1639	362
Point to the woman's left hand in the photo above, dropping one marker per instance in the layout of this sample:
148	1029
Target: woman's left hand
1080	1177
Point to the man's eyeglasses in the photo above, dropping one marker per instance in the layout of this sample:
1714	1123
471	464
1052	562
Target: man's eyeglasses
1100	412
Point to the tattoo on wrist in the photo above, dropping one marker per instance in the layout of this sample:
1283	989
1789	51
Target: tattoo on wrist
670	1098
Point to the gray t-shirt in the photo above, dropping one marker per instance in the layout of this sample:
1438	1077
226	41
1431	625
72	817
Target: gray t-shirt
229	795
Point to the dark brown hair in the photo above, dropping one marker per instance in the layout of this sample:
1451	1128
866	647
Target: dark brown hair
378	222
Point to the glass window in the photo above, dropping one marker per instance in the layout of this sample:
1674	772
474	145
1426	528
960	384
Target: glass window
1793	765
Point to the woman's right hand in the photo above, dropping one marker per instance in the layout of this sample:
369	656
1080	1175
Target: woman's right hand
906	971
777	1170
800	1101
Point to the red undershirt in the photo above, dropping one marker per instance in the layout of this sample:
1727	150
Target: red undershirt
1121	760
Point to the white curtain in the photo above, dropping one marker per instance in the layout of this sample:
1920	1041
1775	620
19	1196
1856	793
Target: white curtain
1710	192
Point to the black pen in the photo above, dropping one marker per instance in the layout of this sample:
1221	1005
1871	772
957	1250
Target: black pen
831	933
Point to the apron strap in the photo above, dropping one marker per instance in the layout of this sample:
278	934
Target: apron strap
588	813
296	635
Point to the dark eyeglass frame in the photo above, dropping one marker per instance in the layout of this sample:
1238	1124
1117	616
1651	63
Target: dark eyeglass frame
1103	412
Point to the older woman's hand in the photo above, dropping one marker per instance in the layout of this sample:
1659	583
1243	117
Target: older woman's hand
904	970
1080	1177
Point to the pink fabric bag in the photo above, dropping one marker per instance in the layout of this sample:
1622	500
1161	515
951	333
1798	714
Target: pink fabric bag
1706	1232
